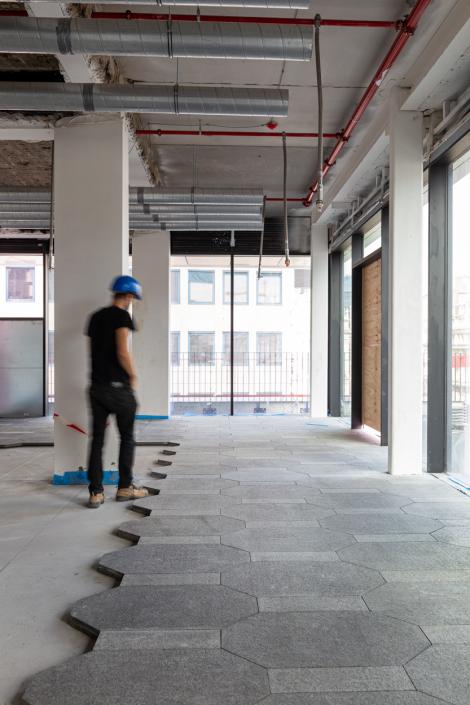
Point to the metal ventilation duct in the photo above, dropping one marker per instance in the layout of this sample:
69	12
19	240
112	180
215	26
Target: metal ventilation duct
198	225
278	4
210	40
115	98
162	210
197	196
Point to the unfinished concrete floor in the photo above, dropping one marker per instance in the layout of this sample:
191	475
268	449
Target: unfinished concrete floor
278	565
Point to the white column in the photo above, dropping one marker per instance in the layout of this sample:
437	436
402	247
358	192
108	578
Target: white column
151	346
319	322
406	296
91	225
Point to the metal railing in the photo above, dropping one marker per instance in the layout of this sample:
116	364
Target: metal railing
264	382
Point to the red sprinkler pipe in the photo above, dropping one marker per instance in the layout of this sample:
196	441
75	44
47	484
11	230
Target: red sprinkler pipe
407	29
163	17
225	133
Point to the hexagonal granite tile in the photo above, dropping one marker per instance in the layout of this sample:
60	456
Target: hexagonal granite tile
174	558
154	526
441	510
265	475
407	556
276	512
443	671
184	504
163	607
289	538
381	523
271	491
188	676
403	698
191	486
359	500
425	604
299	578
455	535
323	639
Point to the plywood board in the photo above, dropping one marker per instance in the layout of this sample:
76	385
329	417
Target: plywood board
371	344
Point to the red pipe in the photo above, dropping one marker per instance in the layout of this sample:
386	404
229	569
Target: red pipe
240	19
225	133
407	29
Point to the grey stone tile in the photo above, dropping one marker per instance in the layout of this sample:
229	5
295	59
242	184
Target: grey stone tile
311	680
176	505
160	607
271	492
441	510
282	579
204	471
456	535
311	556
187	676
180	558
277	524
172	579
158	639
311	603
145	540
381	523
395	538
407	556
268	475
276	512
447	634
363	698
289	538
434	603
154	526
443	671
359	500
191	486
323	639
425	576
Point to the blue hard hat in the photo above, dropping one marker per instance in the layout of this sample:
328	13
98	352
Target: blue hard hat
127	285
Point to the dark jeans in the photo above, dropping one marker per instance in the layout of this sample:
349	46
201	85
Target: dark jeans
120	401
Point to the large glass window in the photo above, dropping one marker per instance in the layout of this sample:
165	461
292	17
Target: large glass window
21	286
372	240
270	288
201	287
240	285
461	315
347	308
175	286
201	348
269	348
240	345
20	283
175	347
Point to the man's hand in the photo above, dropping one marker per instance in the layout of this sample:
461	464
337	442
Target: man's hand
133	383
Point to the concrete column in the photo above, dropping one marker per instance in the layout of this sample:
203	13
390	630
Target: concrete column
91	226
151	344
406	302
319	322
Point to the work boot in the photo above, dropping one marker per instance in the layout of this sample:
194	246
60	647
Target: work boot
96	500
124	494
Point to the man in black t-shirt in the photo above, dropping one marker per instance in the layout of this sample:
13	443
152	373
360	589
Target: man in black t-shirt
113	382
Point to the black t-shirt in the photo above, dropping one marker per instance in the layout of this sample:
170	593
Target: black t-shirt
101	329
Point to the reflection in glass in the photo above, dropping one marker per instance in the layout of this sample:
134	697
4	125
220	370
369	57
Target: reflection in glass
347	338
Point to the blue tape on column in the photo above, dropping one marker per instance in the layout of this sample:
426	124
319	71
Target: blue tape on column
79	477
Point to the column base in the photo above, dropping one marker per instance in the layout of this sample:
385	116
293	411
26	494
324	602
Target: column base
151	417
80	477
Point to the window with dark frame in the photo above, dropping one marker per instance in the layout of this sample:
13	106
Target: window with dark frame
269	292
241	348
201	348
268	349
20	283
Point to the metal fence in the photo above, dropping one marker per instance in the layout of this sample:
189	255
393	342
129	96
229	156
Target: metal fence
264	382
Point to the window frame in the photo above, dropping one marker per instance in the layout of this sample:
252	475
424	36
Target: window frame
270	274
246	274
226	349
201	303
175	335
178	273
9	268
278	354
211	363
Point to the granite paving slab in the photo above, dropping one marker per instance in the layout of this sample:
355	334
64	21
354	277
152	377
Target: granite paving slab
267	492
311	603
447	634
380	523
443	671
265	475
176	558
276	512
357	500
154	526
181	504
376	698
290	578
323	639
199	486
183	470
456	535
434	603
441	510
189	676
407	556
318	680
158	639
290	538
160	607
